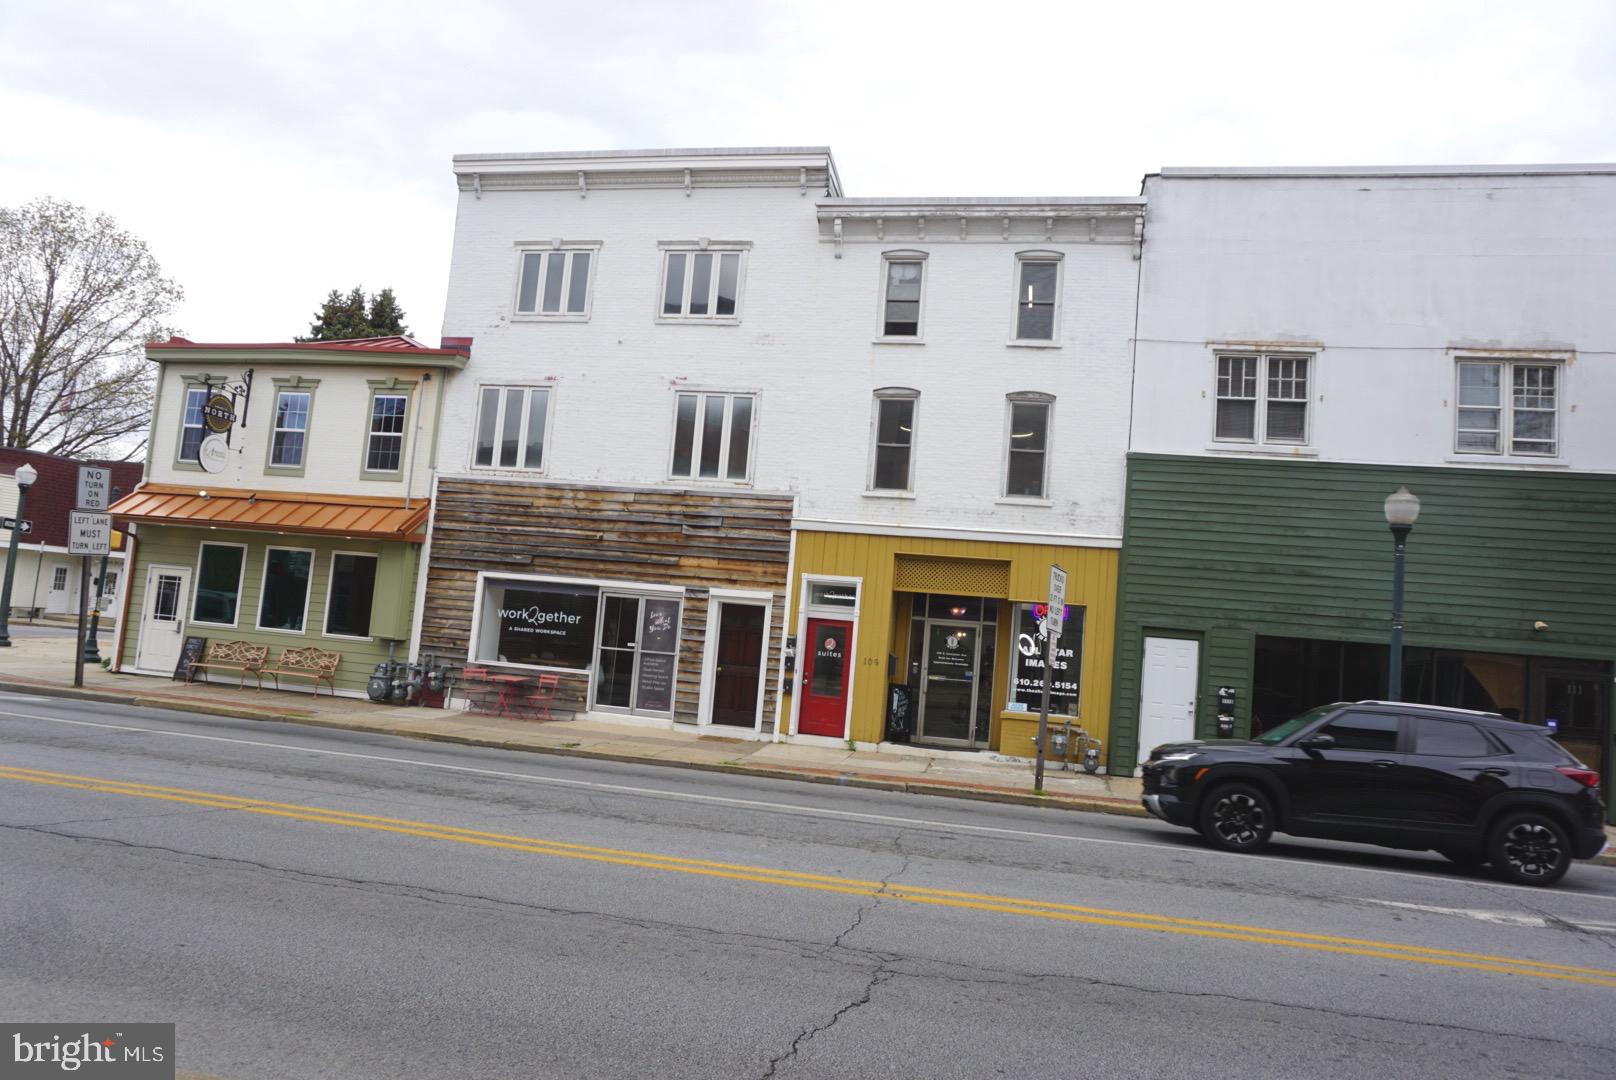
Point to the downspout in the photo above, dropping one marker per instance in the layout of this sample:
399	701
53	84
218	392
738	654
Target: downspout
422	565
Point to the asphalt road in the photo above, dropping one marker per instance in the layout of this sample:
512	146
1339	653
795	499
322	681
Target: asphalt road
311	903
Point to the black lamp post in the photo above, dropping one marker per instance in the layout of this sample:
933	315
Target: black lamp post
25	477
92	654
1402	509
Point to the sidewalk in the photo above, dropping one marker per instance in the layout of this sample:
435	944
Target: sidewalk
44	665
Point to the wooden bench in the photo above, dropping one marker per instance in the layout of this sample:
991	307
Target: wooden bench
307	663
242	656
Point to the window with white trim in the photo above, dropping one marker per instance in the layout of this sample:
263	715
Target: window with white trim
511	425
291	429
702	285
192	429
712	437
350	594
59	579
283	597
902	282
220	569
1529	412
1026	471
1262	397
384	451
1037	287
891	465
554	283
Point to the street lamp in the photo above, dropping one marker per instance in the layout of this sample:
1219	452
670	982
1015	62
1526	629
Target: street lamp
25	476
1402	510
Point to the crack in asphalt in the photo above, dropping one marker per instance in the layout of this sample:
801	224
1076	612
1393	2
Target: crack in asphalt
882	972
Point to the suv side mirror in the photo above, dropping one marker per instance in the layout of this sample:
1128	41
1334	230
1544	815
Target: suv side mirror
1314	743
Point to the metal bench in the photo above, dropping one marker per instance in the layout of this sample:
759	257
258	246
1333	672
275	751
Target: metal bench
242	656
308	662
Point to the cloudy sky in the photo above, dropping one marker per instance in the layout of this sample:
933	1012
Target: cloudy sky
270	152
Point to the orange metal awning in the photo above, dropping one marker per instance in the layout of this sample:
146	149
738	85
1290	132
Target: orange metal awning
275	511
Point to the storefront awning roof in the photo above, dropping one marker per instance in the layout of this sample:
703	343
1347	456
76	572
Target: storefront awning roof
275	511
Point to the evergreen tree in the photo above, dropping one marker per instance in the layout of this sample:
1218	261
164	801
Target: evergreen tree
342	317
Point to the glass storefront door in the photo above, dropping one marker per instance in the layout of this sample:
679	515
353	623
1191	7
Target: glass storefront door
639	641
948	685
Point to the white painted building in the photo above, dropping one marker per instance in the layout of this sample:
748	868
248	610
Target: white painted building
728	325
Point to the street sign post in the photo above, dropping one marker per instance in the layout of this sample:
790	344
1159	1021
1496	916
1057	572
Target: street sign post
1054	622
87	534
95	483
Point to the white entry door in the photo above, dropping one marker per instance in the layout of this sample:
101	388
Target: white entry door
1167	692
162	618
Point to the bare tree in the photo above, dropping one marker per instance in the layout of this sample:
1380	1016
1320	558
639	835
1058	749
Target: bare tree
78	298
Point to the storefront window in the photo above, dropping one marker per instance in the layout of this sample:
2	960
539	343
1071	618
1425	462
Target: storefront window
285	598
1027	682
218	583
352	593
538	623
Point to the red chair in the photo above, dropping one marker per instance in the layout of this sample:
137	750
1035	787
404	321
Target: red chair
540	693
481	695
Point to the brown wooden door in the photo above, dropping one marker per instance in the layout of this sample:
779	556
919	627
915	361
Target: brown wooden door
740	659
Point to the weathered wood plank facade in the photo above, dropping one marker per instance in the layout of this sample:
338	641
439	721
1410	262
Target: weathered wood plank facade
697	540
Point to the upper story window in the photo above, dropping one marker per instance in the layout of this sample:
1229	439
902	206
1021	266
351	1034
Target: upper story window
712	437
384	449
902	278
192	428
291	429
1523	420
1037	289
511	426
891	464
555	284
702	284
1262	398
1026	471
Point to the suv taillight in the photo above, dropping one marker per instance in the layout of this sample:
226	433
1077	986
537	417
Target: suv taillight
1585	777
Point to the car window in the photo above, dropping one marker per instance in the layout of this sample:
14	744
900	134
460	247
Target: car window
1449	738
1283	731
1363	731
1539	747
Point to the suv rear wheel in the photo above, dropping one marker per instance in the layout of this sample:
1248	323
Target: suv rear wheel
1237	817
1529	848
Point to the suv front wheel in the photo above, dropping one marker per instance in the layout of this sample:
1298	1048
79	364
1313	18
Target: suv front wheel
1529	848
1237	817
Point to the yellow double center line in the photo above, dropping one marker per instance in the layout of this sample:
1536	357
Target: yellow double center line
913	894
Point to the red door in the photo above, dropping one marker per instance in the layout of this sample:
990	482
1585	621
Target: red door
825	672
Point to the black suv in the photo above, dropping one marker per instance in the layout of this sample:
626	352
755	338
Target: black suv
1471	785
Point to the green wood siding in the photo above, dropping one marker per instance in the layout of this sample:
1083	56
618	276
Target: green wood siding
1229	549
169	546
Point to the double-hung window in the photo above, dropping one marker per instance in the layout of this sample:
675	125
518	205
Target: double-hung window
1037	287
384	449
712	437
511	425
1026	472
1262	398
902	279
702	285
891	465
192	428
291	429
554	284
1498	396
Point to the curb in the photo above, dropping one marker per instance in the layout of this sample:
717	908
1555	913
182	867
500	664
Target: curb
1088	804
1084	804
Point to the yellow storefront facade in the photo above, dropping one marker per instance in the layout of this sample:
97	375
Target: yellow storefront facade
948	628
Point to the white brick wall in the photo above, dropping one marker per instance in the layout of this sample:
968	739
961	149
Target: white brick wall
805	345
1396	277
